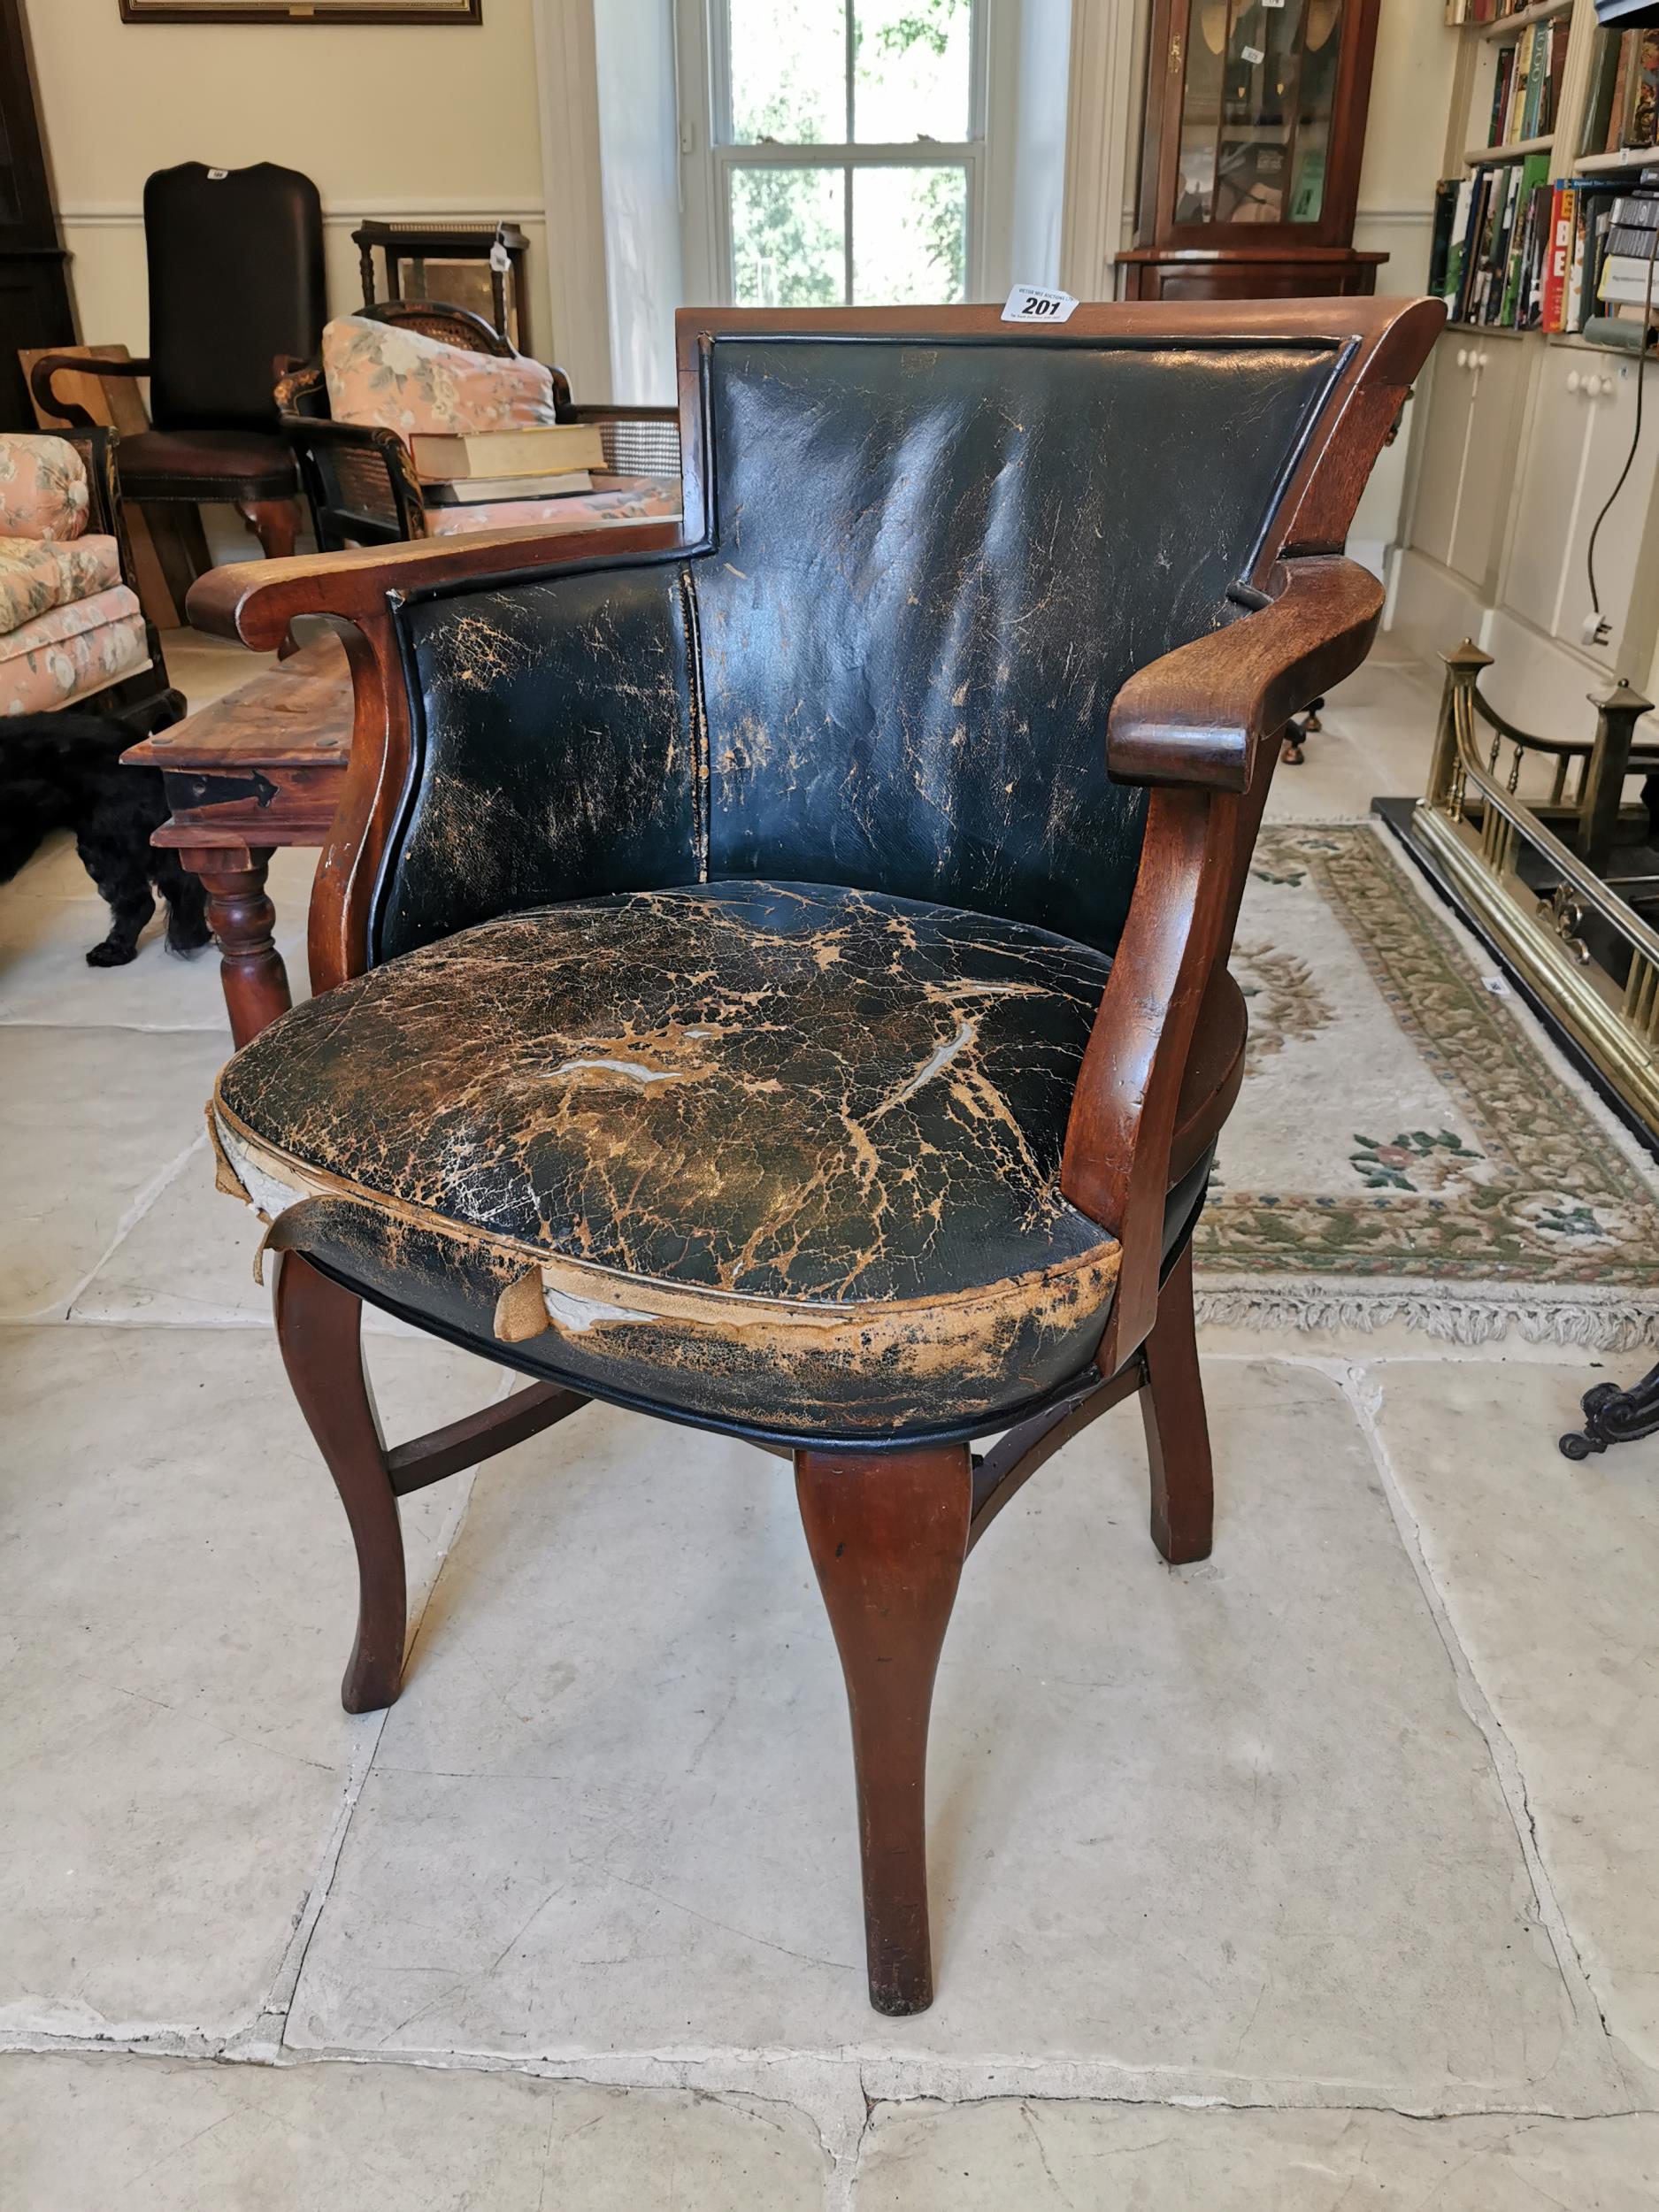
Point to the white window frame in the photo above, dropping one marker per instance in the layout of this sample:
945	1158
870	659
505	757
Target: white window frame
708	152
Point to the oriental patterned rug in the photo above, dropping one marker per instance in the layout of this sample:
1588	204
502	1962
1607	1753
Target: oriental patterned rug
1409	1145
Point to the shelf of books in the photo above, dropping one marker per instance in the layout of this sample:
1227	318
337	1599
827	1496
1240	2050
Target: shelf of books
1552	220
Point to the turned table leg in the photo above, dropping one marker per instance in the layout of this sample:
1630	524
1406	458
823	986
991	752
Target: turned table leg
242	919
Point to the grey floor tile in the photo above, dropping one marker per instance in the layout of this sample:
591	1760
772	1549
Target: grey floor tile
177	1598
1149	2158
91	1120
1549	1571
1232	1821
110	2134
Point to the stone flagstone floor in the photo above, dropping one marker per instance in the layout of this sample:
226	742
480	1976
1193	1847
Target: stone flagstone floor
1322	1874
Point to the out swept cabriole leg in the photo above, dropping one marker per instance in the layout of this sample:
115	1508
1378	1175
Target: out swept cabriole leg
1178	1436
888	1531
320	1326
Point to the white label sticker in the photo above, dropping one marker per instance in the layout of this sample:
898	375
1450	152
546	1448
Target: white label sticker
1496	984
1252	54
217	176
1027	305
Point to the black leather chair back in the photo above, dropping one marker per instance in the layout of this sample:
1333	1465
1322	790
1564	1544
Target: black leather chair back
933	566
235	279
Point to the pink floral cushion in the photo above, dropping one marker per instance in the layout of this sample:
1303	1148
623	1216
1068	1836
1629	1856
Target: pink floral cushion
43	488
37	574
401	380
73	651
638	499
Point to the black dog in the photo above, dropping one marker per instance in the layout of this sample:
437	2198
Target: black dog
63	772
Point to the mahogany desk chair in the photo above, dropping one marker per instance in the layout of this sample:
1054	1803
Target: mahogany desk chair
235	263
773	975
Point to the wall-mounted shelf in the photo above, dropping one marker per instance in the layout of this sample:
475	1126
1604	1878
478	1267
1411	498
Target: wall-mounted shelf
1623	157
1517	151
1506	25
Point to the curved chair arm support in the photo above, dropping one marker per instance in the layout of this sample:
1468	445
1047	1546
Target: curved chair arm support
1199	715
83	364
1202	724
296	381
305	432
255	601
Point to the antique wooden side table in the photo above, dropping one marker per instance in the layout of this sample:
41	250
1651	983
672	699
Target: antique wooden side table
264	766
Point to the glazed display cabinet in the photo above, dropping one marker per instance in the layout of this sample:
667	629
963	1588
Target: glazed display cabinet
1254	125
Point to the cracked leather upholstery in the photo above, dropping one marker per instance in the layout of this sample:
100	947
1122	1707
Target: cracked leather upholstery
933	568
747	908
782	1154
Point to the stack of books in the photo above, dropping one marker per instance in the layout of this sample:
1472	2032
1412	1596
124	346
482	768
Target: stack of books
1489	258
1526	83
1516	252
1623	106
1628	279
484	466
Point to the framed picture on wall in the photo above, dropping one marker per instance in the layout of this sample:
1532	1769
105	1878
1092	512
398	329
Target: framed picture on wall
301	11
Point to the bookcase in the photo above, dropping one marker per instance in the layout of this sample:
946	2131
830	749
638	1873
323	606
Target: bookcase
1523	423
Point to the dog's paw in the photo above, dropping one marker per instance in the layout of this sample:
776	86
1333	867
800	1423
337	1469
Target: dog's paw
111	955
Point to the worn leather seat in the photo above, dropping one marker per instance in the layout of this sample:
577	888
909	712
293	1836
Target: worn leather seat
787	1154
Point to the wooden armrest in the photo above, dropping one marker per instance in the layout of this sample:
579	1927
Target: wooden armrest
255	601
1202	723
324	430
1199	715
40	382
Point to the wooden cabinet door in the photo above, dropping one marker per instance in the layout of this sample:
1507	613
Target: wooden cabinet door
1498	368
1622	550
1551	490
1445	444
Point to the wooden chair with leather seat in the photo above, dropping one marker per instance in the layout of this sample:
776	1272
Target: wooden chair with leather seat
773	976
236	283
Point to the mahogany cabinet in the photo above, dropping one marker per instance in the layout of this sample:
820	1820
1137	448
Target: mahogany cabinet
1254	124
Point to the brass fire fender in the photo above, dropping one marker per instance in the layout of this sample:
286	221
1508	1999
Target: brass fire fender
1473	828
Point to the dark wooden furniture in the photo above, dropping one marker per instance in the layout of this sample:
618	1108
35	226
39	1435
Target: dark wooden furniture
360	480
169	548
34	283
235	262
301	11
264	766
1253	128
774	977
1612	1415
406	248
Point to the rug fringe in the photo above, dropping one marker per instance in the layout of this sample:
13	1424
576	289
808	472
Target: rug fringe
1601	1322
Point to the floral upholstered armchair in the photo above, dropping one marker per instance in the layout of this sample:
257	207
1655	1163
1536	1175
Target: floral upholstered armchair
417	366
72	630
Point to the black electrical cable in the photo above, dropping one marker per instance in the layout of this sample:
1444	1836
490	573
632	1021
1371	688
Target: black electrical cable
1635	436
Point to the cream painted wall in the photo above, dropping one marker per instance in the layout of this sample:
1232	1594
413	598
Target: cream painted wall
1405	140
433	121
